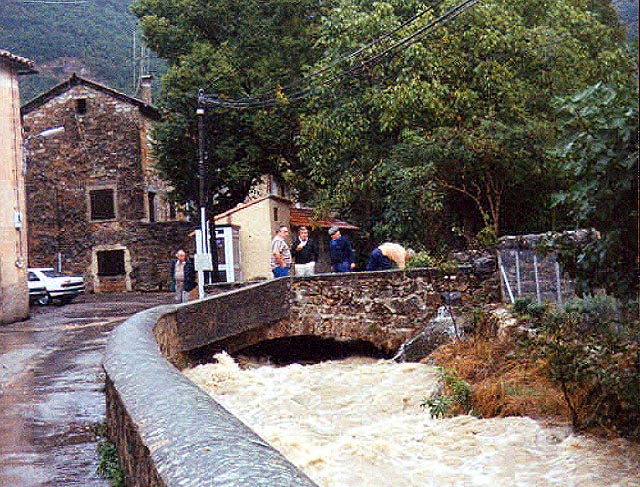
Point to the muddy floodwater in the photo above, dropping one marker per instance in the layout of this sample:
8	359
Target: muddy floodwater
359	422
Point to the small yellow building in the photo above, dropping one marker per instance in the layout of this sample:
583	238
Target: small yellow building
257	221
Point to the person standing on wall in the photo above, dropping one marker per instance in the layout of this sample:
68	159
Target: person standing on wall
280	253
305	253
341	252
182	276
389	255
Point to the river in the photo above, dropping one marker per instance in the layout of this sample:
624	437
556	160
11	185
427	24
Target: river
359	423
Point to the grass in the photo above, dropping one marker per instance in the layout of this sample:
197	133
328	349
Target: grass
109	467
502	381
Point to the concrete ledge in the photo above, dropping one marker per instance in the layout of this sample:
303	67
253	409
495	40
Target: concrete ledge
168	432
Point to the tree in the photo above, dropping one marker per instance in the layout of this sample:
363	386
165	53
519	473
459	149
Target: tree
452	129
233	49
599	150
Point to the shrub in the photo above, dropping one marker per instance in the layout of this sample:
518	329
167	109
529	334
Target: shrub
486	238
422	259
527	308
109	467
454	398
593	354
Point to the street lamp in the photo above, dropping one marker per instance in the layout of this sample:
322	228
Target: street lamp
19	217
26	146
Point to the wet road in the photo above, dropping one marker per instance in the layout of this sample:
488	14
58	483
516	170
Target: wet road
51	389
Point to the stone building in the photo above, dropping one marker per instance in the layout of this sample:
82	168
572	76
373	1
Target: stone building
96	205
14	297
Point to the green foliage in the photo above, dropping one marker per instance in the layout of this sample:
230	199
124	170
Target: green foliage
439	406
109	467
93	38
528	308
453	131
592	350
486	238
423	258
454	398
232	49
599	152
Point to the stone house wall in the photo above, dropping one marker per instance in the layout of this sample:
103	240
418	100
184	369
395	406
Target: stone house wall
103	146
14	297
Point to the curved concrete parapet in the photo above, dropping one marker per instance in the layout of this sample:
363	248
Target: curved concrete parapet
169	433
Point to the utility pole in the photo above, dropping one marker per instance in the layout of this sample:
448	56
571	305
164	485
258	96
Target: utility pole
206	258
201	156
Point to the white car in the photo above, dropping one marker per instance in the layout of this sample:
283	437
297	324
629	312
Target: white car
37	291
58	286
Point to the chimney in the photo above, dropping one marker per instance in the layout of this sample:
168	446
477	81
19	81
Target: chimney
145	88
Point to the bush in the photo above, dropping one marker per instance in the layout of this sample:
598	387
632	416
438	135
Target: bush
423	259
486	238
591	350
454	398
526	308
109	467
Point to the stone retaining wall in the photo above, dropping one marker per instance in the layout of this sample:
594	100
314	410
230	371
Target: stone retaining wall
169	433
385	308
527	272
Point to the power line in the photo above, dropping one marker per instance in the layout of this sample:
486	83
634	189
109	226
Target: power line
355	53
60	2
365	63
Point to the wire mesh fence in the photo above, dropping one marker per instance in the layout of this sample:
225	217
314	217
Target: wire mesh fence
525	274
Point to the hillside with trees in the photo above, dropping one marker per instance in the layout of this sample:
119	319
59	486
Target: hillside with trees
93	38
628	11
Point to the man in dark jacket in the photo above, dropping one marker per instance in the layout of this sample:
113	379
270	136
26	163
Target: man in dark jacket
183	276
341	252
305	253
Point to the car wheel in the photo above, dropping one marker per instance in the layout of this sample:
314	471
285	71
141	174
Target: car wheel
44	300
66	300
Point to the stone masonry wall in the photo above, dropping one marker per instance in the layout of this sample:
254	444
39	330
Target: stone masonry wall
223	316
526	272
168	432
135	458
385	308
100	149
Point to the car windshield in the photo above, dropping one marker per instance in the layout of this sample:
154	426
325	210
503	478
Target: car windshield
32	277
52	273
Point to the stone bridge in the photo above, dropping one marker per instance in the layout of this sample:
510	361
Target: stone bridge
170	433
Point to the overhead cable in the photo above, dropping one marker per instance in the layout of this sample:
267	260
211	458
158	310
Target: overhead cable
365	63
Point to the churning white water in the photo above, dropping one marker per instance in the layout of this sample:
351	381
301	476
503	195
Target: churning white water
359	423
